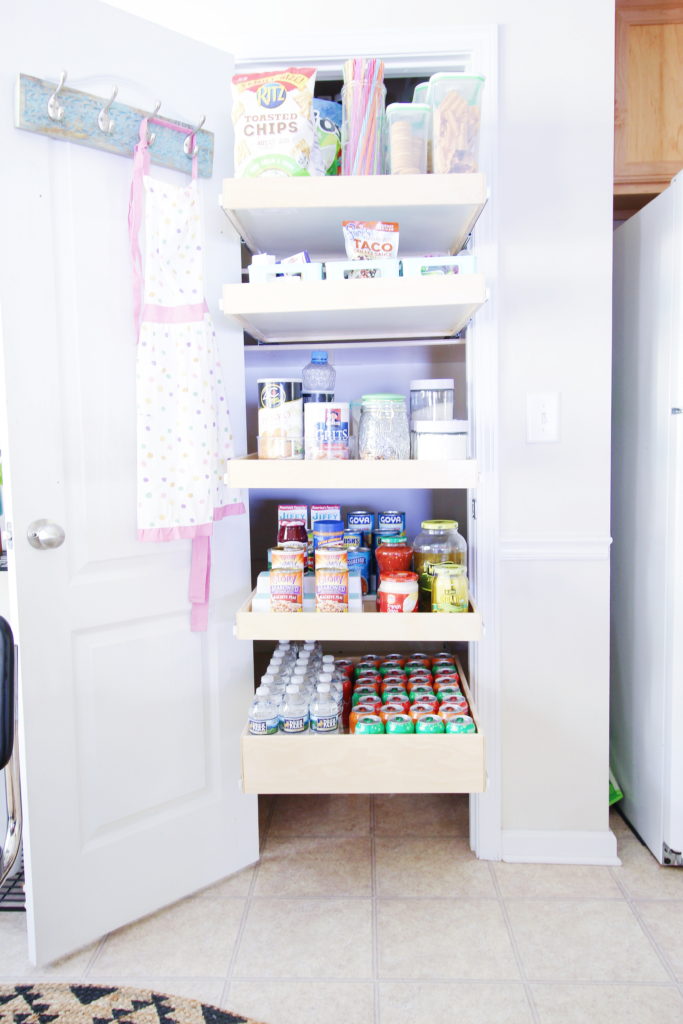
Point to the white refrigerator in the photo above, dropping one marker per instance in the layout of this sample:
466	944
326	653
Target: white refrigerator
647	523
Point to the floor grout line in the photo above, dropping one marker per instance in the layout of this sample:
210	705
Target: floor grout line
635	910
531	1003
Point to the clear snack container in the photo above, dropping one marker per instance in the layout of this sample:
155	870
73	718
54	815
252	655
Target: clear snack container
421	93
407	134
432	399
456	114
384	432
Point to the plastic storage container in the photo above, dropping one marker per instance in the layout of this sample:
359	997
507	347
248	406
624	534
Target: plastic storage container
440	439
432	399
456	113
384	432
407	133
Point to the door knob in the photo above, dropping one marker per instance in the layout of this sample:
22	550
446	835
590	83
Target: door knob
44	534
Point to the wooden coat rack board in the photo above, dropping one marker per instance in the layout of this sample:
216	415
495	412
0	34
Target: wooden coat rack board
64	113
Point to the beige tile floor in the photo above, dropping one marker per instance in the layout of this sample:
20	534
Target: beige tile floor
372	910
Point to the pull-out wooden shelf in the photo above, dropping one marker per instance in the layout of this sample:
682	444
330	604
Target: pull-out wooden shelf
435	212
412	474
366	627
401	307
446	763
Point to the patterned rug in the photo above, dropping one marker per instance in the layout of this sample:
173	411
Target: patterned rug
100	1004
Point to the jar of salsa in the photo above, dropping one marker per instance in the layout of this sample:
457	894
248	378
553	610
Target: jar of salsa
394	554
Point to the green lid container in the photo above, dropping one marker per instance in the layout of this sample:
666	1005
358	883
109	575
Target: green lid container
399	724
460	723
429	724
369	725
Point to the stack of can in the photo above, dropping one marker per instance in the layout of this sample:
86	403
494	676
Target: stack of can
397	694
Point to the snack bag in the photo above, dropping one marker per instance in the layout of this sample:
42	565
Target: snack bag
370	240
273	120
327	118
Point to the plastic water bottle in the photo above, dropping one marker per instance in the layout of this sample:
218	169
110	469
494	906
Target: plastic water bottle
264	715
324	711
318	375
294	712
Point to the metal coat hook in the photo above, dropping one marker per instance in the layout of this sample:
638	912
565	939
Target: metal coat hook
190	147
104	119
151	136
54	111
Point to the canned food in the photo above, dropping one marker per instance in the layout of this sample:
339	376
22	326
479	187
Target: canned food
353	539
399	725
429	724
359	561
361	520
392	519
369	725
461	723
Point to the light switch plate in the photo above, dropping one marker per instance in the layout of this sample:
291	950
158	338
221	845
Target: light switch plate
543	418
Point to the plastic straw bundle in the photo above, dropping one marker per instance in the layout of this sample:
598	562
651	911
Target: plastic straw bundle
363	98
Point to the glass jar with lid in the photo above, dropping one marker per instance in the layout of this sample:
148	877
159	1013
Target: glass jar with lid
449	588
384	432
438	541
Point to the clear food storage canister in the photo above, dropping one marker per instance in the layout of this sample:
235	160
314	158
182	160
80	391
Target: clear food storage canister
432	399
384	432
408	132
438	439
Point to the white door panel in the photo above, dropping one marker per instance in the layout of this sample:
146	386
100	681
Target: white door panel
130	722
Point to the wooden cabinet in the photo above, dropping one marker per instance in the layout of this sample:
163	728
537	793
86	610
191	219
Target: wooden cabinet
648	122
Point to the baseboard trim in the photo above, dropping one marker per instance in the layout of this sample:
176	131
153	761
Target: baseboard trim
559	847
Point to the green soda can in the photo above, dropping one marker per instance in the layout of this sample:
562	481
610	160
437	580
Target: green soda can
420	691
460	723
399	724
446	692
429	724
369	725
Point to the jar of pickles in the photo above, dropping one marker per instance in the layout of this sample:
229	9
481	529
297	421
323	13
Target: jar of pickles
438	541
384	432
449	588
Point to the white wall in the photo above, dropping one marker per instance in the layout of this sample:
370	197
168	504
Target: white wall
554	304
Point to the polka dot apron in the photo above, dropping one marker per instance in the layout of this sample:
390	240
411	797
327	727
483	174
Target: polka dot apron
183	424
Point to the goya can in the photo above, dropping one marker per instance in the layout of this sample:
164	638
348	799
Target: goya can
461	723
399	725
369	725
430	724
392	520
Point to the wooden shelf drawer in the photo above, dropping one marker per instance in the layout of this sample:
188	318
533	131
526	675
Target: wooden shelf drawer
447	763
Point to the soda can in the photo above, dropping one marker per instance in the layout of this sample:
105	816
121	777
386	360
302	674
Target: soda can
369	725
448	691
365	695
352	539
430	724
461	723
421	708
392	685
450	711
392	519
360	710
359	561
455	704
370	675
392	707
391	668
399	725
426	699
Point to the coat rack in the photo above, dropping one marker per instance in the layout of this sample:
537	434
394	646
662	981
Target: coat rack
64	113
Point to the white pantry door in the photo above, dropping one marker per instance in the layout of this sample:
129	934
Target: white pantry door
129	722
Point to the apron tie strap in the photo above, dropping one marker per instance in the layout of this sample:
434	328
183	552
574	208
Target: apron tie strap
200	581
